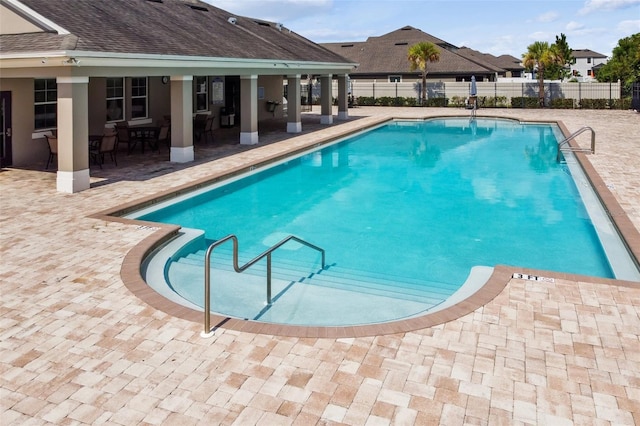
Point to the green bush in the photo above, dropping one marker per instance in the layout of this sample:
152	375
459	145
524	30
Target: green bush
366	100
437	102
624	103
410	102
562	103
525	102
594	103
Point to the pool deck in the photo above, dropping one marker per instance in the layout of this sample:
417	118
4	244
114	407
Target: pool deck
78	347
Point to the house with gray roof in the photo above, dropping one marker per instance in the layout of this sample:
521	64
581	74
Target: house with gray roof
74	67
584	62
384	58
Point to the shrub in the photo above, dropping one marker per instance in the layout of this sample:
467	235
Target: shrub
525	102
366	100
562	103
437	102
594	103
624	103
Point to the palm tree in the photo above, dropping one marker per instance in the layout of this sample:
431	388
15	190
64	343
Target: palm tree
539	55
419	55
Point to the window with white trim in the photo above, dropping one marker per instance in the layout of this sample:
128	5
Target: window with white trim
202	93
395	79
45	103
139	97
115	99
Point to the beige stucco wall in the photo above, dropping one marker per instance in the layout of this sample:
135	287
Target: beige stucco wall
273	90
12	23
27	150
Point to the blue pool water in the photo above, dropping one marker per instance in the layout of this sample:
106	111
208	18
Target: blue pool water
410	205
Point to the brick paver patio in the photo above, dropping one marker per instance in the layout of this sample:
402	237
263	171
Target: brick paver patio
77	347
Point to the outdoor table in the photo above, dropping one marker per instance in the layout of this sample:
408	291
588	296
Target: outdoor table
145	135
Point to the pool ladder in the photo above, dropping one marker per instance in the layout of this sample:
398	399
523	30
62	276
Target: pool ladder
207	332
566	140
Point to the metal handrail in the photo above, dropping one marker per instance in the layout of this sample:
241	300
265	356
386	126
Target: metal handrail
573	136
267	253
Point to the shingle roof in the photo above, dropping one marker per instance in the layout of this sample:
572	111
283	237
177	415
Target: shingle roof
167	27
387	54
586	53
503	62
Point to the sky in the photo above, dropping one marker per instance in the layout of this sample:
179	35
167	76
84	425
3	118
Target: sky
491	26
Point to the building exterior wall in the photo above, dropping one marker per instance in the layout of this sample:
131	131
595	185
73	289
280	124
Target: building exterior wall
584	66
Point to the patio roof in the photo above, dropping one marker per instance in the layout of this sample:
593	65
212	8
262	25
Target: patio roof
168	30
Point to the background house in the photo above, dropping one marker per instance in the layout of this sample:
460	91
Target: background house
584	62
75	66
384	59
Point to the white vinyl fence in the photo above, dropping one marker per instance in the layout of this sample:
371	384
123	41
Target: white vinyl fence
498	94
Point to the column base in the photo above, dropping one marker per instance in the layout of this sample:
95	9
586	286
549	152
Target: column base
294	127
343	115
326	119
72	182
181	154
248	138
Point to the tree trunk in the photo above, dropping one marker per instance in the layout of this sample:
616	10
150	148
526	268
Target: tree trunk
541	86
424	88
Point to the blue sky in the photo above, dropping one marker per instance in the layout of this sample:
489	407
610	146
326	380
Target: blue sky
496	27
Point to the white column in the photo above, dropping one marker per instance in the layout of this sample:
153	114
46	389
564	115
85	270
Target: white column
249	110
181	119
343	97
326	115
294	114
73	134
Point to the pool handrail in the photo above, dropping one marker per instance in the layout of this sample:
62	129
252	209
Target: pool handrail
267	253
573	135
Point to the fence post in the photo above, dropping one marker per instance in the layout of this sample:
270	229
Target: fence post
580	94
374	92
522	95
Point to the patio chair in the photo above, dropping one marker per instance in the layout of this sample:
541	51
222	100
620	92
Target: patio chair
52	143
164	136
208	129
124	136
108	145
199	124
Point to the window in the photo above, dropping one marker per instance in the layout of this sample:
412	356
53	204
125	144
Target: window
139	97
202	94
590	73
115	99
45	103
395	79
588	60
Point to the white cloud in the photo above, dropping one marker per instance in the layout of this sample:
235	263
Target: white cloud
629	27
541	36
574	26
595	5
548	17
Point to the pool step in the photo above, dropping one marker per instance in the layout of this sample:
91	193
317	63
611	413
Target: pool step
333	276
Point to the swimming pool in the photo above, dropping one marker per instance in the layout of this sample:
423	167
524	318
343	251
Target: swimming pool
406	213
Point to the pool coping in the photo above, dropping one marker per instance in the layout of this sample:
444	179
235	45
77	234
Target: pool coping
130	272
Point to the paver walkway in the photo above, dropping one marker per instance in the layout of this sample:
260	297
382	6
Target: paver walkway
76	347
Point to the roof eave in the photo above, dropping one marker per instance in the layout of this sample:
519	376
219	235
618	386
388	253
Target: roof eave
121	60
